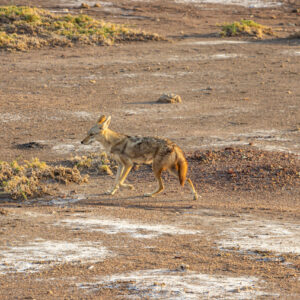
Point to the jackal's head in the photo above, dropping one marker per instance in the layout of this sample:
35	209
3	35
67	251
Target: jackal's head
97	130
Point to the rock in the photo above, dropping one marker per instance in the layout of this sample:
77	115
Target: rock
84	5
183	267
97	5
169	98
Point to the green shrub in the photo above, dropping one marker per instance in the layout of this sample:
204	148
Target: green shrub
246	27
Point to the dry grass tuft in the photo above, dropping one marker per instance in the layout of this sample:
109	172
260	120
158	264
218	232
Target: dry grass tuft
33	178
246	28
23	28
93	163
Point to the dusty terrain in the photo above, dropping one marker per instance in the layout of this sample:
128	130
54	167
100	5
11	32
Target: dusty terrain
238	124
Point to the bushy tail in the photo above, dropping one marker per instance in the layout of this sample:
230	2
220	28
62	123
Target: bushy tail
182	167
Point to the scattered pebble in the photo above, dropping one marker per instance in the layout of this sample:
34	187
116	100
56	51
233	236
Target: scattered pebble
84	5
184	267
169	98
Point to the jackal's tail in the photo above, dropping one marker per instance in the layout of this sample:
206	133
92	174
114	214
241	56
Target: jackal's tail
182	167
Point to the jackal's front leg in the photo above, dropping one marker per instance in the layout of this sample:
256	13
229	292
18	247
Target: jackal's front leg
117	180
123	177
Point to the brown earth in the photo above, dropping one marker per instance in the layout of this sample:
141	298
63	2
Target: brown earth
238	123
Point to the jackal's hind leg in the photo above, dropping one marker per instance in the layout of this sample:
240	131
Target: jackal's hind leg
192	188
160	187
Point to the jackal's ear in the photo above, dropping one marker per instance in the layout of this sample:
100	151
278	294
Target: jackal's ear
106	123
101	119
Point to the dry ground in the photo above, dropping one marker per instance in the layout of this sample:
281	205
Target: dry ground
240	240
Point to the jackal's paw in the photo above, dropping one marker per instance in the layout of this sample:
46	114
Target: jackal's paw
148	195
111	192
127	186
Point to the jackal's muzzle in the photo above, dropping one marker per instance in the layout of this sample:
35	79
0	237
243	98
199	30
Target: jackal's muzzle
86	140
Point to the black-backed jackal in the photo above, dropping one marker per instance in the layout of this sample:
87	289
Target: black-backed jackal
127	150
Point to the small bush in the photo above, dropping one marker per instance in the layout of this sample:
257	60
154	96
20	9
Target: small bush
33	178
246	28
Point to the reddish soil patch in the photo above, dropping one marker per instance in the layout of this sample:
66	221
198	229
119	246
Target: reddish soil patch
246	169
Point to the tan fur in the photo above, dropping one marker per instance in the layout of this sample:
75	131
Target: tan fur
127	150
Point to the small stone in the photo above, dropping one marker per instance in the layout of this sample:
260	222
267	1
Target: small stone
84	5
230	171
184	267
97	5
169	98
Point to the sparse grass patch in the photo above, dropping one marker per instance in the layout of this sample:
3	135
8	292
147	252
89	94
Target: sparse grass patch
94	163
34	178
23	28
246	28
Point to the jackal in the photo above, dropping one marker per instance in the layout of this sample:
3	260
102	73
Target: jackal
127	150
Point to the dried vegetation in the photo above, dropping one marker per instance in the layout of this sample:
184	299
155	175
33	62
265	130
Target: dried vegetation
93	164
246	28
34	178
23	28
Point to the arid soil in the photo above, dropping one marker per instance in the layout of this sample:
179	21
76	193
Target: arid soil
238	124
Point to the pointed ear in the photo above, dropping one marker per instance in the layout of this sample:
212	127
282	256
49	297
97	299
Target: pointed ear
106	123
101	119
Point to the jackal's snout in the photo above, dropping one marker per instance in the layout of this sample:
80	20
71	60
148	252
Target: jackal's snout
86	140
